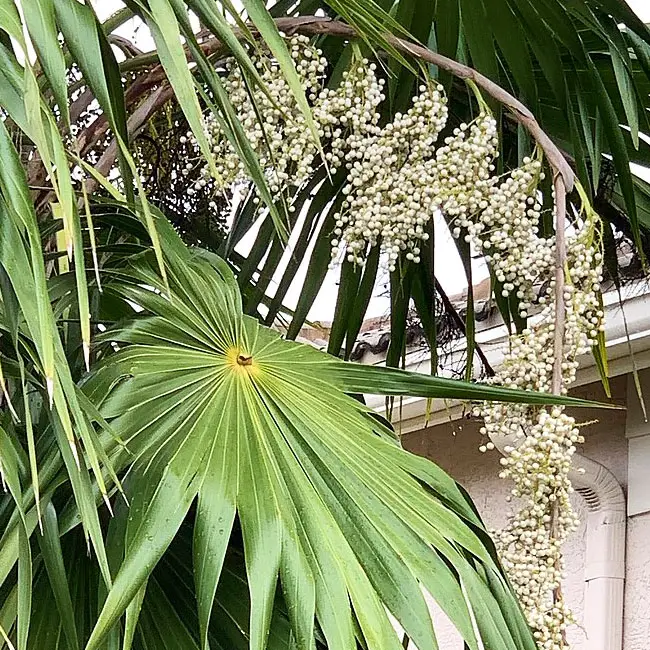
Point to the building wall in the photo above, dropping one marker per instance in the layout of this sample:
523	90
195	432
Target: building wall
454	446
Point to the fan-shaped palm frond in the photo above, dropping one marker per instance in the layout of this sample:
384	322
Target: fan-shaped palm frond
214	409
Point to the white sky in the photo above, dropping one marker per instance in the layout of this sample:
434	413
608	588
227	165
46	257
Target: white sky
448	267
642	8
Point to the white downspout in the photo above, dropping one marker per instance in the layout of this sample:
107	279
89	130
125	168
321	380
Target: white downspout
605	554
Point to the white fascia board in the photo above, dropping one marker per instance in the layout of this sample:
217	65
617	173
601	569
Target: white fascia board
410	414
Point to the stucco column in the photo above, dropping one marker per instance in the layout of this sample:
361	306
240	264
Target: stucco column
637	601
637	431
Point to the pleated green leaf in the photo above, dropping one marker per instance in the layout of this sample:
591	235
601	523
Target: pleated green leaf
215	408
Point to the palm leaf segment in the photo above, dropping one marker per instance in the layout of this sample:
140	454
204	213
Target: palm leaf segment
213	408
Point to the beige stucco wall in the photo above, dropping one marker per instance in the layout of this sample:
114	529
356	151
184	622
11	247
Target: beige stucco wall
454	446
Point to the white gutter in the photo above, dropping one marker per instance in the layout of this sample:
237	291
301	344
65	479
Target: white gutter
493	340
605	554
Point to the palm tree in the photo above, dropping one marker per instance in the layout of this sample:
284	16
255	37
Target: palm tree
177	474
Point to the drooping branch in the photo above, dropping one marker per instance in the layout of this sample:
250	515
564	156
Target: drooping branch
563	175
560	262
135	123
313	25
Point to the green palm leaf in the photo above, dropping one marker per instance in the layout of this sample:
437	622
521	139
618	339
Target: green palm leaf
214	407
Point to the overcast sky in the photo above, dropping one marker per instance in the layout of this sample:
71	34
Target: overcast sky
448	267
642	8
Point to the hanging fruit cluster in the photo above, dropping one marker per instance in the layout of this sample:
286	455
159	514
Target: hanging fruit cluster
398	177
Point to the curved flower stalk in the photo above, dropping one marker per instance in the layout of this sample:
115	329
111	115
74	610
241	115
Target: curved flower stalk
542	442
